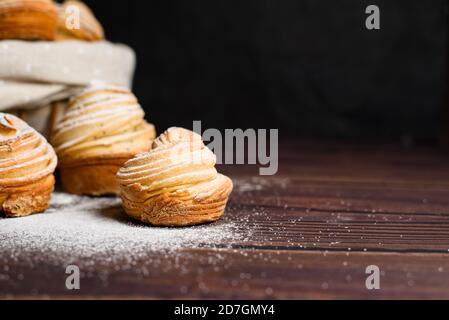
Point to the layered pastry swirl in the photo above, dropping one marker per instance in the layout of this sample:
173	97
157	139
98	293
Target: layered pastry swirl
27	164
174	184
28	19
89	27
101	129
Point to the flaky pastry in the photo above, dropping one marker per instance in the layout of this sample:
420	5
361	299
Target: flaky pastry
89	27
28	19
176	183
101	129
27	164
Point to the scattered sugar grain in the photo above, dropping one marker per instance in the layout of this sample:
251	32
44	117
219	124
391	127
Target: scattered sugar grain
92	231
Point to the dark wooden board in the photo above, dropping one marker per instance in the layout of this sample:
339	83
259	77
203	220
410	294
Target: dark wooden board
332	210
252	274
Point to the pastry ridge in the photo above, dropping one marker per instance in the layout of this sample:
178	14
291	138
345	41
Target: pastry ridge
101	129
27	164
174	184
90	29
28	19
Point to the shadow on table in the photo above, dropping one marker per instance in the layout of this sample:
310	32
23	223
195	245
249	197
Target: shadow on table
116	212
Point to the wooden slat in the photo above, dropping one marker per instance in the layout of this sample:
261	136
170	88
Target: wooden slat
247	274
342	196
286	213
309	232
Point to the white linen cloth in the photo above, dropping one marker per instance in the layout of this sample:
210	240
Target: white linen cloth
34	74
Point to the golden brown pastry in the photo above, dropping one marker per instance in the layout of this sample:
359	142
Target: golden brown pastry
90	29
176	183
101	129
28	19
56	113
41	118
27	163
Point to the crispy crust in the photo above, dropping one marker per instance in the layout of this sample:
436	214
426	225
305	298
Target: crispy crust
27	200
102	128
90	28
91	180
171	210
175	184
27	163
28	19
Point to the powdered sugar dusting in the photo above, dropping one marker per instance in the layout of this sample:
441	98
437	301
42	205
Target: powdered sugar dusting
87	231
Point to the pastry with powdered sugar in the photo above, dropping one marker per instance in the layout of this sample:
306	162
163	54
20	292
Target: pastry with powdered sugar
27	164
176	183
101	129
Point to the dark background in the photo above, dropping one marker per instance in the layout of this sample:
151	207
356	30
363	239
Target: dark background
308	67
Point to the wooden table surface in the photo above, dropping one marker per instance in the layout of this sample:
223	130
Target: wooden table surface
333	209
